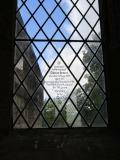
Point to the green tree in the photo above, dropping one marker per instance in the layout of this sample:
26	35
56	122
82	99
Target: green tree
50	113
93	59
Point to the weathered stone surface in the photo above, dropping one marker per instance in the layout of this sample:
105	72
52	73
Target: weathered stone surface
87	144
32	81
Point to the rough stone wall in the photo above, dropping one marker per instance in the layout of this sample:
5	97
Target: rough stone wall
61	145
47	144
31	82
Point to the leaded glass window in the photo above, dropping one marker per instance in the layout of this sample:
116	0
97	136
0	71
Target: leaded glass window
58	65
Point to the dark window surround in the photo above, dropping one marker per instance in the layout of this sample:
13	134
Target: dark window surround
111	45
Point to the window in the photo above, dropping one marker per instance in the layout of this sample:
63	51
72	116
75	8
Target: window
58	66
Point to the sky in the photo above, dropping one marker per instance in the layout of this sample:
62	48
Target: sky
66	28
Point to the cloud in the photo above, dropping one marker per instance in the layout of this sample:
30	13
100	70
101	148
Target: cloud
67	53
75	17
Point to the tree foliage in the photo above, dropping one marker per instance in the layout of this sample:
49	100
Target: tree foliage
50	113
95	85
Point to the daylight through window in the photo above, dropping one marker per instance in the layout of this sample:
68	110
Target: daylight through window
58	65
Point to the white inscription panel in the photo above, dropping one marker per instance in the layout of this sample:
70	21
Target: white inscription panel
59	81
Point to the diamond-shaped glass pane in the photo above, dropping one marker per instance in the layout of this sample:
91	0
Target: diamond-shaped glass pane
20	30
101	81
76	46
49	54
76	36
75	13
19	69
39	14
77	68
98	101
103	112
21	98
96	6
50	112
58	35
66	6
40	120
25	12
32	28
67	29
70	112
49	5
59	123
30	113
99	122
95	68
21	47
67	54
30	57
84	29
87	82
42	68
31	82
40	47
78	122
32	5
83	6
58	19
59	82
92	21
38	96
17	84
59	46
88	113
59	77
49	28
15	113
21	123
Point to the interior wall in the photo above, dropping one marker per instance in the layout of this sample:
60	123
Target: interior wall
73	144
